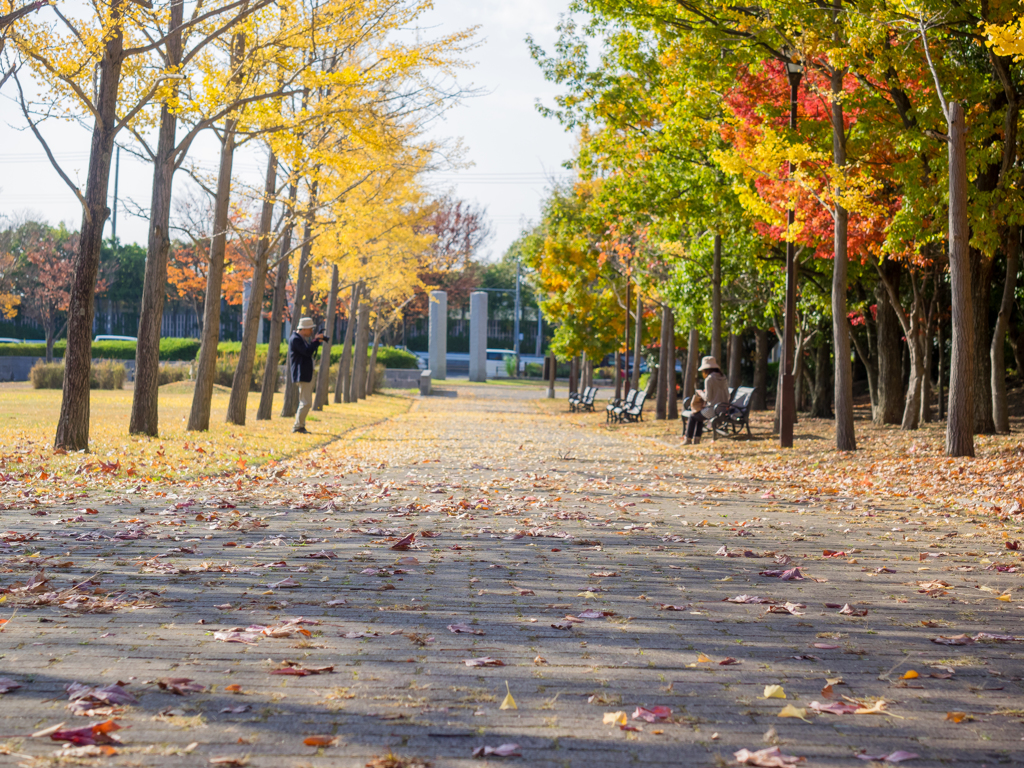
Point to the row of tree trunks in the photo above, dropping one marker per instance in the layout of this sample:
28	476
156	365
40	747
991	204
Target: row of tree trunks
302	279
889	347
343	387
323	375
362	348
371	385
692	363
239	399
634	381
277	315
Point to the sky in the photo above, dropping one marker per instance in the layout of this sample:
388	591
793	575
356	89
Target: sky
514	151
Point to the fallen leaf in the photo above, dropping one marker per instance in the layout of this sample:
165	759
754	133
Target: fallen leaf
405	543
504	750
464	629
508	702
770	757
615	718
180	686
320	741
910	674
893	757
774	692
790	711
483	661
652	715
956	717
834	707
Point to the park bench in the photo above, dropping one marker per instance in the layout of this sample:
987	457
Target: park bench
730	418
618	403
635	412
582	401
630	410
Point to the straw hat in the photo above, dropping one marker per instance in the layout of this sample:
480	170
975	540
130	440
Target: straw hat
304	323
705	364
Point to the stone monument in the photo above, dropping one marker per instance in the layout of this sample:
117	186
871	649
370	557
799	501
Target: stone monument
437	355
478	336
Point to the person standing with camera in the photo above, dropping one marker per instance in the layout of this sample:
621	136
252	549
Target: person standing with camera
301	348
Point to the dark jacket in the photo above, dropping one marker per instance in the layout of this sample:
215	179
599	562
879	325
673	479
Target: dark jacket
300	354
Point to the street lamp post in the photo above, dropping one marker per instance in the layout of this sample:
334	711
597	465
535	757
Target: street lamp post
794	70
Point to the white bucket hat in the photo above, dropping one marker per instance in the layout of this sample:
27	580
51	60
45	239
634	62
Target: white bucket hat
304	323
705	364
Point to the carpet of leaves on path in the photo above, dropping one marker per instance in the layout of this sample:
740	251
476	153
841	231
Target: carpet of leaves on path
489	578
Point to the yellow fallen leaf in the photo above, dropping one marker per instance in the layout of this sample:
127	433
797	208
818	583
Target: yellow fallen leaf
615	718
587	595
703	659
790	711
878	708
774	692
956	717
1004	598
508	702
910	675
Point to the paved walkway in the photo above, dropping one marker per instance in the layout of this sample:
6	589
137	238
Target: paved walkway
524	522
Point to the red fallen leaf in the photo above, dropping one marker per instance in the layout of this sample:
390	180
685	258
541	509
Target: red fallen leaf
405	543
592	613
87	511
98	733
429	534
295	669
667	607
954	640
834	707
652	715
503	750
747	599
826	646
727	661
7	685
1014	545
604	574
793	574
833	553
833	605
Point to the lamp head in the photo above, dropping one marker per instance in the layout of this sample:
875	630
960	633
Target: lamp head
794	67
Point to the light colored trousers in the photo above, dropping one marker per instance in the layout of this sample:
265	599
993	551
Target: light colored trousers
305	403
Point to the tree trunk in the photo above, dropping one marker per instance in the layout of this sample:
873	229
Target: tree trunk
864	353
716	301
941	382
371	387
760	397
981	289
291	389
618	376
638	339
573	372
846	439
1017	345
692	362
890	353
362	344
199	417
666	360
735	360
343	390
73	424
324	374
960	425
927	342
673	400
821	398
238	402
552	366
277	314
145	418
1000	412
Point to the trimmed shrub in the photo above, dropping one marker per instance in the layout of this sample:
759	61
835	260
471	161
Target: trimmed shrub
391	357
224	374
172	372
105	374
47	375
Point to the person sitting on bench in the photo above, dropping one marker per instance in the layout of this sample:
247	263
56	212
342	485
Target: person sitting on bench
716	390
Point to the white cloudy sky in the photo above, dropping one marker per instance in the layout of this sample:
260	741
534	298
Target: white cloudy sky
514	150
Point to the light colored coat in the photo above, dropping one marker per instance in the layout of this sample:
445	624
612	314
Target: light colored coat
716	390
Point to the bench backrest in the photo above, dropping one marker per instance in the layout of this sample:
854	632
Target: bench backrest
741	399
589	395
639	401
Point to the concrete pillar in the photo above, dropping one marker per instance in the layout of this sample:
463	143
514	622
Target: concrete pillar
478	336
438	344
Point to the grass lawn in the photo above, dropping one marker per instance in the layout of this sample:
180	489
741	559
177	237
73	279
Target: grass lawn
28	419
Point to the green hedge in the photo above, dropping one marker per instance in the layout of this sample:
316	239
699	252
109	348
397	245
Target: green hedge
170	349
389	357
